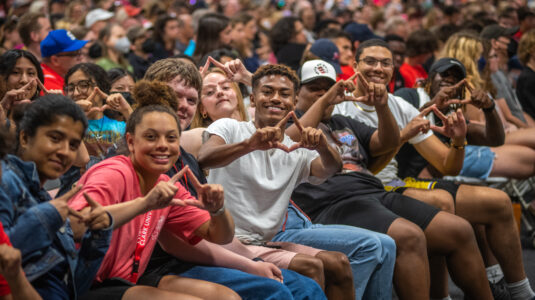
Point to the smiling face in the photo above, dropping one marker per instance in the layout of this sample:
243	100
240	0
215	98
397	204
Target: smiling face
273	98
80	86
187	97
218	97
444	79
23	72
154	146
53	148
125	84
370	64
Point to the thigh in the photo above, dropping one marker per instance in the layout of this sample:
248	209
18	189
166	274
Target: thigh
417	212
110	289
513	161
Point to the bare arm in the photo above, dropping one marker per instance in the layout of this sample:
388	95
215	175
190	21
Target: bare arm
448	161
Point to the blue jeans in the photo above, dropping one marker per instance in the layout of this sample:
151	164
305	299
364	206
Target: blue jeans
249	286
372	255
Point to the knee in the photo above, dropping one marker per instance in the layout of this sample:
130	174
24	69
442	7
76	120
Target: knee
501	203
461	231
224	292
409	237
308	265
443	200
336	265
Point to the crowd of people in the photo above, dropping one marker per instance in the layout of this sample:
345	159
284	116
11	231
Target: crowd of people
243	149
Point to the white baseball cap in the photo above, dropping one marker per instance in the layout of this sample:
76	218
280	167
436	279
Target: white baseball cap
314	69
96	15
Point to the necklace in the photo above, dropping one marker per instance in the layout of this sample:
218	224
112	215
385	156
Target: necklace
363	109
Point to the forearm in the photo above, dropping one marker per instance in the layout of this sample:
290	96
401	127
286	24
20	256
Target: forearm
124	212
221	229
311	118
380	162
222	155
331	162
387	131
453	162
21	288
495	135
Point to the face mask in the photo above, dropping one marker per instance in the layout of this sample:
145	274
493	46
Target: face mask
122	45
148	46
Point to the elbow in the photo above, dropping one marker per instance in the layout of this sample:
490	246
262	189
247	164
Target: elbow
223	239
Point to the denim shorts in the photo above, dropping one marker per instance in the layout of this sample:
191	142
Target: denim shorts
478	162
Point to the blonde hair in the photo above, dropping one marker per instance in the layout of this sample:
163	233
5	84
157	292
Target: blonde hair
526	47
204	121
467	48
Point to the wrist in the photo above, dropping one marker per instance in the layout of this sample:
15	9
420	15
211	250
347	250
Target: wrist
458	143
218	212
490	108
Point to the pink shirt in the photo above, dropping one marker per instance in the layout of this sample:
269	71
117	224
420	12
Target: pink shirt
113	181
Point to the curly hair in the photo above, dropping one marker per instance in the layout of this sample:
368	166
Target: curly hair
154	92
282	70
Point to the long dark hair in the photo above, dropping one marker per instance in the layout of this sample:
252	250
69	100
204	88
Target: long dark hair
9	59
210	26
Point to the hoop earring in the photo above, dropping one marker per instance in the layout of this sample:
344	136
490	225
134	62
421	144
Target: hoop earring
204	115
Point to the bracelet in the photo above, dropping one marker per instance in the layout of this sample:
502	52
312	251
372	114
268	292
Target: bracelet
458	147
490	109
218	212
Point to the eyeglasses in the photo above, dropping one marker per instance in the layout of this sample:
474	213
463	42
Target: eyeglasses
83	87
372	62
71	54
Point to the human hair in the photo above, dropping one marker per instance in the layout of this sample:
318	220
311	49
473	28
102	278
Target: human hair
444	32
9	26
466	46
394	37
159	27
334	33
420	42
105	34
200	121
282	32
28	23
368	44
209	28
93	71
152	96
9	59
115	74
282	70
45	111
167	69
526	46
242	18
393	23
6	141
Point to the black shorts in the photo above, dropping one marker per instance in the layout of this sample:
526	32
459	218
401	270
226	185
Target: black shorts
427	184
357	200
109	289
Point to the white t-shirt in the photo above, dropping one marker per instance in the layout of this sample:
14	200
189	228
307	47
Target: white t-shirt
402	111
258	185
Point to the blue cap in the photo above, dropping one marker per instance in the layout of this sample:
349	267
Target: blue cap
360	32
58	41
327	51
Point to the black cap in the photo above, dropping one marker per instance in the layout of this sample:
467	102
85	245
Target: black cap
447	63
494	31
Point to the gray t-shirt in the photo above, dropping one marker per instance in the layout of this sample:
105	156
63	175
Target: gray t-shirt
504	90
259	184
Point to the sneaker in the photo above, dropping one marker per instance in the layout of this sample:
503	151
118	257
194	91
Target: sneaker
499	290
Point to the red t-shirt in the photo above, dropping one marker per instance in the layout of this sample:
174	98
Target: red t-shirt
347	71
412	74
53	81
4	287
113	181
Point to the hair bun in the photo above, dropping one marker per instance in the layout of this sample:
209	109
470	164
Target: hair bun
148	93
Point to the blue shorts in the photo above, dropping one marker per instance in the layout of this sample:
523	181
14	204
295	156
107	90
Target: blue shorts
478	162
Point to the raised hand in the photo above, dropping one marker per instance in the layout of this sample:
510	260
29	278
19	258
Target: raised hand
210	197
416	125
371	93
45	90
310	138
10	261
91	104
17	96
163	193
270	137
449	95
117	102
63	208
478	98
234	69
343	90
454	125
98	217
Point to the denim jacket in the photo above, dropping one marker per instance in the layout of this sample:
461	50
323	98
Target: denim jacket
36	228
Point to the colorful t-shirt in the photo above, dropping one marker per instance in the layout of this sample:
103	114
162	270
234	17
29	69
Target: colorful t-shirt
4	287
412	74
102	134
115	180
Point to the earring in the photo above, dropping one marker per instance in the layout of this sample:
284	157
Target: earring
204	115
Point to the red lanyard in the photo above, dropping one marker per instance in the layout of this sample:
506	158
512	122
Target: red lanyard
140	246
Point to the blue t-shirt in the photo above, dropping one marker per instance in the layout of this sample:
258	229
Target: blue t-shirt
102	134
